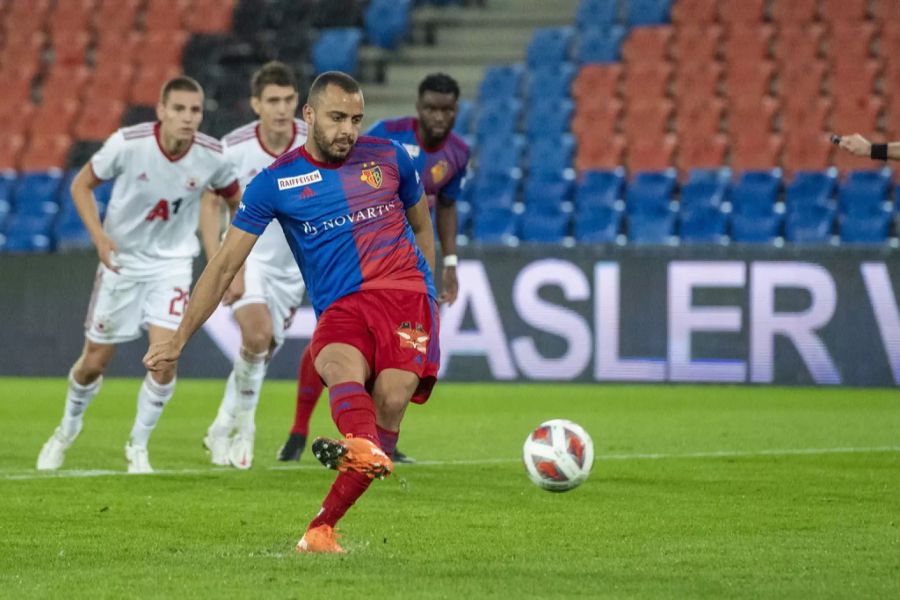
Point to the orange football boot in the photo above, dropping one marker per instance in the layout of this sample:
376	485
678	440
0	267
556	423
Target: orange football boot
353	454
320	539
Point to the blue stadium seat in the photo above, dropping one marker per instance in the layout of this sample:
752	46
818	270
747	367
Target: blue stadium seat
811	187
550	82
756	192
28	233
501	84
864	191
337	50
542	226
7	184
25	243
596	13
598	225
715	175
37	193
463	216
548	118
702	195
387	22
551	156
498	120
498	156
465	109
869	228
549	47
494	190
759	228
703	225
651	191
546	193
495	226
809	224
600	45
647	12
651	228
600	188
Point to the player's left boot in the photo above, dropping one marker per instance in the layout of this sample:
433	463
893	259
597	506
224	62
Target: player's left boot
138	459
240	451
320	539
399	457
292	448
353	454
218	448
53	453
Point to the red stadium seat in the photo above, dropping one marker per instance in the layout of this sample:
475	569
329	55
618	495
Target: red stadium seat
848	42
743	43
701	12
801	79
700	80
11	146
701	152
116	15
798	44
843	11
892	117
55	116
70	82
72	15
856	115
596	83
148	82
758	111
29	16
754	150
647	118
23	49
651	154
45	152
889	42
794	12
696	44
647	44
165	15
115	47
647	81
600	120
209	16
809	153
700	118
16	118
752	79
70	47
887	11
99	120
851	79
804	115
162	48
600	153
746	12
111	80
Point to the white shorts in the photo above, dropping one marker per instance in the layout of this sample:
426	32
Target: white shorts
122	307
282	295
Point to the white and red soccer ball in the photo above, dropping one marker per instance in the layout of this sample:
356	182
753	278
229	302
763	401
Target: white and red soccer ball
558	455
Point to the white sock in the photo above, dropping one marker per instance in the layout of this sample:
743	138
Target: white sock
249	372
152	399
224	422
78	397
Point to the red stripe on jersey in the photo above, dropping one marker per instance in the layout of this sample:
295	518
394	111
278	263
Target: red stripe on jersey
230	190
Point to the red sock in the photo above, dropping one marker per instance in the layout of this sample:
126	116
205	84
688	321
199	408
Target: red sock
309	388
345	491
388	439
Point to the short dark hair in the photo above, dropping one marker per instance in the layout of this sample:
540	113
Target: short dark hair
272	73
440	83
182	83
338	78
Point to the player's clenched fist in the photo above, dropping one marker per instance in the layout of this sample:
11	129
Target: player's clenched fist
161	355
856	144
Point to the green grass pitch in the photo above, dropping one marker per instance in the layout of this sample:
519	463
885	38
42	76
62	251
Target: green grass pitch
715	492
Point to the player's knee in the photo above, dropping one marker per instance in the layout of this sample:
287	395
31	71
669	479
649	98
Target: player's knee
165	376
258	341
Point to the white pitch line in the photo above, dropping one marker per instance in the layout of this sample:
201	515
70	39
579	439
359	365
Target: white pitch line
29	475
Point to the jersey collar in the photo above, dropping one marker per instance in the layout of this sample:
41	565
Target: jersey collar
320	164
265	148
421	143
171	157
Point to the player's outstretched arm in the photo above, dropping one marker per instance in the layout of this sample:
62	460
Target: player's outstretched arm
419	218
206	296
210	223
82	190
860	146
445	215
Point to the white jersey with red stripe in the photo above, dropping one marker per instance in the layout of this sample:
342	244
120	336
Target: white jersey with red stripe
154	209
247	152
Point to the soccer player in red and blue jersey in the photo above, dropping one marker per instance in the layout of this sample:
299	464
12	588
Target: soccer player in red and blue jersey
355	216
440	157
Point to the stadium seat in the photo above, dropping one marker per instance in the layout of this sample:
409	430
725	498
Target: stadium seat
465	111
99	121
495	226
64	83
710	175
703	226
810	224
548	117
647	81
753	150
494	190
851	41
809	188
864	192
701	195
650	192
600	45
148	81
598	225
546	193
162	48
744	44
800	84
70	47
600	120
758	112
751	79
696	84
651	228
807	152
647	44
74	15
550	82
19	240
870	228
651	153
337	50
501	84
501	156
549	47
551	155
56	115
599	188
600	153
756	191
702	118
647	12
387	22
701	152
696	44
694	12
118	50
209	16
498	120
843	11
755	228
596	84
647	118
854	81
45	152
742	12
543	227
798	44
596	13
794	12
11	146
886	11
37	193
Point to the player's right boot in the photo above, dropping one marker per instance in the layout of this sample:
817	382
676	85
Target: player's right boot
292	448
138	459
218	447
53	453
353	454
320	539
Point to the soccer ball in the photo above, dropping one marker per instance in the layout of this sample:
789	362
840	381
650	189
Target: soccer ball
558	455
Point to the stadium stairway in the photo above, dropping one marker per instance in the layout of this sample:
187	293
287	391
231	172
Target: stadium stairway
460	41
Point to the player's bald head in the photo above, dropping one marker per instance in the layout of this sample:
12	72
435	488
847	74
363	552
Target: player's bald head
340	80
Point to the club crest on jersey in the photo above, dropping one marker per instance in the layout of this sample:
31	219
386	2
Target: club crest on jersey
371	175
439	170
412	337
192	184
287	183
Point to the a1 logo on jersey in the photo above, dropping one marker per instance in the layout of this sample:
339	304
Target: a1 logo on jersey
161	210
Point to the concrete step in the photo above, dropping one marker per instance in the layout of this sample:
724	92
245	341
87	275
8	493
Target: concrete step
459	54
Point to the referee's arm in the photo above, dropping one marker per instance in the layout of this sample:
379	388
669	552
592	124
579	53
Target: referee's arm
860	146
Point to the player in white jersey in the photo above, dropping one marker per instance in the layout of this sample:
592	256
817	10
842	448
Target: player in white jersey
268	290
146	247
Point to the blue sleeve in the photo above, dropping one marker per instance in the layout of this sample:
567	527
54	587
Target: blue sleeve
411	189
257	207
378	130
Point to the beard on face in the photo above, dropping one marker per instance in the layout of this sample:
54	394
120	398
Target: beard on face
325	146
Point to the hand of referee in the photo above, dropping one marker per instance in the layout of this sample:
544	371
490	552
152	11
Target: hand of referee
856	144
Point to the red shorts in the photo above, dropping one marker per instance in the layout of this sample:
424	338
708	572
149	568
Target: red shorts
394	329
